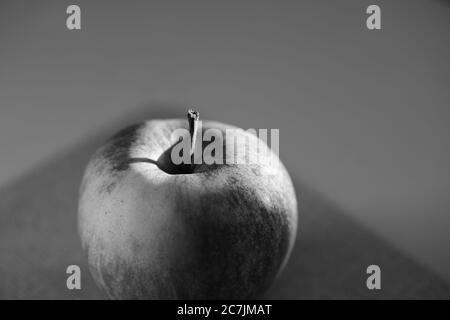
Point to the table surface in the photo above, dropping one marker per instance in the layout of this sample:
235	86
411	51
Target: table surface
38	240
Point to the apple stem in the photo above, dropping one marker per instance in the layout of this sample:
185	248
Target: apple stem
193	118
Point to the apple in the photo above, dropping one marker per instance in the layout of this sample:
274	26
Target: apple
155	230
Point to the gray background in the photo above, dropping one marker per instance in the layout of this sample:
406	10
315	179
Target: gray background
363	115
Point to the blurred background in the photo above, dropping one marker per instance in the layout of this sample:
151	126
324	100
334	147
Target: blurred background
363	115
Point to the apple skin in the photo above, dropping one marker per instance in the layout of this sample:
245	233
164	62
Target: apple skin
221	232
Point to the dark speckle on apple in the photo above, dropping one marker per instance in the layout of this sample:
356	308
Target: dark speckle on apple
117	151
116	156
238	248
